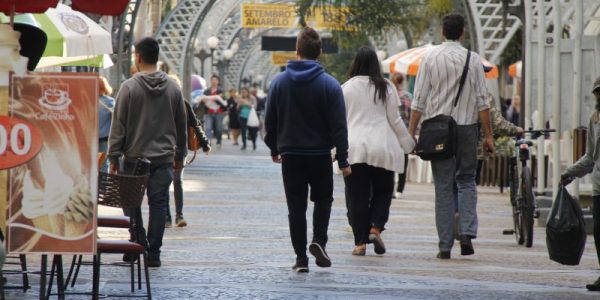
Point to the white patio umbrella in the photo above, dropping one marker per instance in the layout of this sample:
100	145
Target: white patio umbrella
73	37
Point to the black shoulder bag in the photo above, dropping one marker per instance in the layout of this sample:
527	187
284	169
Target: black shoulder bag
437	139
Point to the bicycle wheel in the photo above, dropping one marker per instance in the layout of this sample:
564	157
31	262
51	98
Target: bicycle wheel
514	195
527	206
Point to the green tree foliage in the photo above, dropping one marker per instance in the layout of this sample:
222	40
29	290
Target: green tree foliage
513	50
377	17
338	64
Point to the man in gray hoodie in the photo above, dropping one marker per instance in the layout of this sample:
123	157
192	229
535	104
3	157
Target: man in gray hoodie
590	163
149	122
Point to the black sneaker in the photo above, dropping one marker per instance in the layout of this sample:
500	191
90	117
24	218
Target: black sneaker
153	263
443	255
466	247
321	258
301	265
594	287
180	221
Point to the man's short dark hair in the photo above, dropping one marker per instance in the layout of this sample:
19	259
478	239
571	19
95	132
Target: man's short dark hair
308	43
453	26
215	76
148	50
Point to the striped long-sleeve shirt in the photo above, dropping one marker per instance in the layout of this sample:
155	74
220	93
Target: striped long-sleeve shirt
438	80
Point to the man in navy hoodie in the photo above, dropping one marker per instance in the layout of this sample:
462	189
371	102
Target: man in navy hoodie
305	119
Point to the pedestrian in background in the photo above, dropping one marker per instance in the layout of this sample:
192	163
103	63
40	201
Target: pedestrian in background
234	116
106	105
513	111
191	121
261	101
500	127
378	140
590	163
405	99
246	103
215	110
306	118
150	122
436	88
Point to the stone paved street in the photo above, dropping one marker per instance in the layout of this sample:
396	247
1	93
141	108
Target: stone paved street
237	247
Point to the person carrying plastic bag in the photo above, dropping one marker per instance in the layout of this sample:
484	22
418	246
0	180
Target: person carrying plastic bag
590	163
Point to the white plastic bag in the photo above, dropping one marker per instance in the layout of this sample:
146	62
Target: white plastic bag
253	119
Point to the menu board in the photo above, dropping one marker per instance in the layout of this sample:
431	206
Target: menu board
49	143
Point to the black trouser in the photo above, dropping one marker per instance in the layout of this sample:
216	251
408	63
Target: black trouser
402	176
243	129
368	197
596	218
300	172
253	133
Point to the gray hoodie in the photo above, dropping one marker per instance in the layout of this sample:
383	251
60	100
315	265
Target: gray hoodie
149	120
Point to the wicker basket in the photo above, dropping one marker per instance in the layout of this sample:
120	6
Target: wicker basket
124	191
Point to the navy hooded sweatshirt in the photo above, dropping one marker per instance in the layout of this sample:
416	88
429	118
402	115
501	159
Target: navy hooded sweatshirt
306	114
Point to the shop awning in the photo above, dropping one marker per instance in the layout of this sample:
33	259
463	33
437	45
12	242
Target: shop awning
111	7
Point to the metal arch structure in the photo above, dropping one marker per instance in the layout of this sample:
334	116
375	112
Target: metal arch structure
257	63
239	61
125	40
231	30
216	19
490	35
177	34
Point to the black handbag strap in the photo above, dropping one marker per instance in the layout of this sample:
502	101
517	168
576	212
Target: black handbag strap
463	77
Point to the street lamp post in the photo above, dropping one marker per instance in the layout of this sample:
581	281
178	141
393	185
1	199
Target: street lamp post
223	63
202	55
212	43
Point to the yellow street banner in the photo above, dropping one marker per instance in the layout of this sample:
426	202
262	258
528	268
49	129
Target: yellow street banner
281	58
268	15
256	15
329	17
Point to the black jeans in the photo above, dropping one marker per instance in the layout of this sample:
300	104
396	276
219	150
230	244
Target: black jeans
368	198
300	172
244	130
402	176
596	218
253	133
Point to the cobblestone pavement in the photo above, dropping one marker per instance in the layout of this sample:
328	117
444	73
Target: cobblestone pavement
237	247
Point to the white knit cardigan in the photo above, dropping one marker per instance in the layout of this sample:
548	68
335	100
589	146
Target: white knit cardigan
376	134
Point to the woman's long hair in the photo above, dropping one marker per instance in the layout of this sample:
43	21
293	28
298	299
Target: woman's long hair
366	63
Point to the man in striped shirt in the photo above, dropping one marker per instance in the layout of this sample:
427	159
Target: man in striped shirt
436	87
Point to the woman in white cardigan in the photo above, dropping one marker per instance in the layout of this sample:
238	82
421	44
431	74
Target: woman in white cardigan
378	140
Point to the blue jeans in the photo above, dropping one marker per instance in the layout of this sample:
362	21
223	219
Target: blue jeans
157	190
213	125
460	169
103	147
177	193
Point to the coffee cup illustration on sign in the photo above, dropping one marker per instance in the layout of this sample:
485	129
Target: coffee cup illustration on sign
55	97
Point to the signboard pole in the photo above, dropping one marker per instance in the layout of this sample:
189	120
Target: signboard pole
3	173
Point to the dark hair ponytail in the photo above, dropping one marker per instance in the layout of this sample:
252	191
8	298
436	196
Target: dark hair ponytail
366	63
